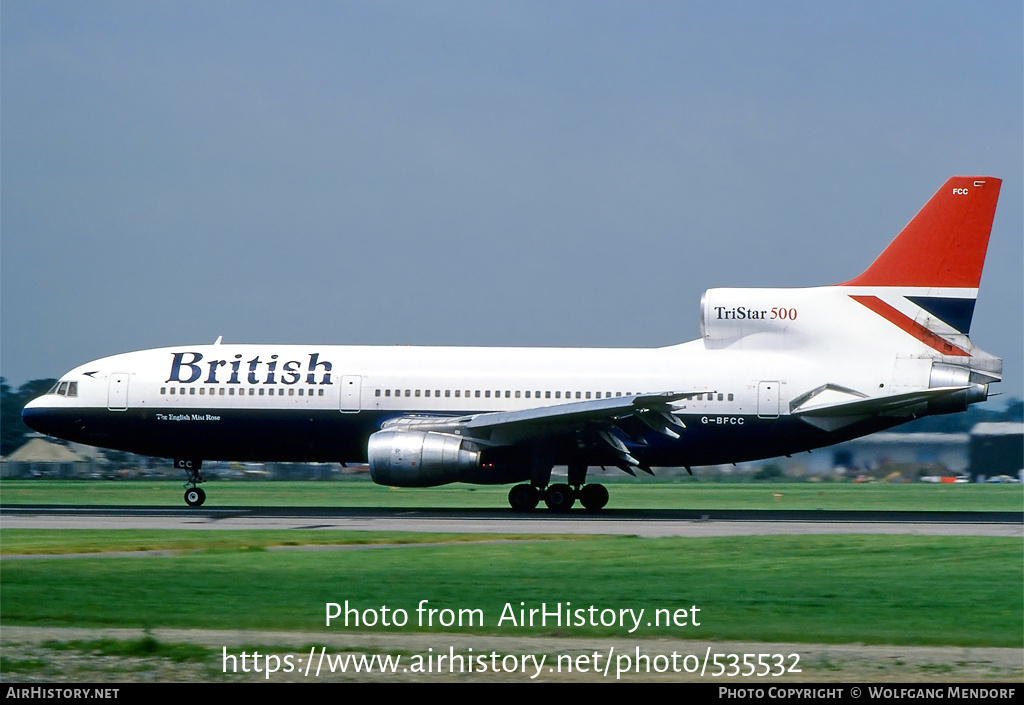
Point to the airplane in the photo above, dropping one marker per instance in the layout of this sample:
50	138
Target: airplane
775	372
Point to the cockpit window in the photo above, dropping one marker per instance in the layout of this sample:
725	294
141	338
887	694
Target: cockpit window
65	389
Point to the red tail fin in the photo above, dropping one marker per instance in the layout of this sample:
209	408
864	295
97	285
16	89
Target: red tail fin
944	245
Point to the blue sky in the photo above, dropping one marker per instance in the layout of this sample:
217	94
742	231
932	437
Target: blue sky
478	173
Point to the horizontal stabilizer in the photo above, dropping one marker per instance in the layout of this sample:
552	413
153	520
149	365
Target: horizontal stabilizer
878	405
831	417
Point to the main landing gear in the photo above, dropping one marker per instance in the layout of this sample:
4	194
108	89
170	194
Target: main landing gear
558	497
194	496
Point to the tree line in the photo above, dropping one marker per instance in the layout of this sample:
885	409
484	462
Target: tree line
13	431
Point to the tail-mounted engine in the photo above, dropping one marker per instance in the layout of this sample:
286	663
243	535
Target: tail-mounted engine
768	319
952	376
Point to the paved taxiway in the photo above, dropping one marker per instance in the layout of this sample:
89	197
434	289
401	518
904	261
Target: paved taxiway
649	523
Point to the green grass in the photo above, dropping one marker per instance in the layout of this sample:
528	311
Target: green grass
62	541
911	590
686	494
144	647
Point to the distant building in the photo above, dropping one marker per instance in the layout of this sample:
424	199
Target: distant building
997	449
40	457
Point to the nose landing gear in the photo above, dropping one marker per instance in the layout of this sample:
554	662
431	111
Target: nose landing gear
194	496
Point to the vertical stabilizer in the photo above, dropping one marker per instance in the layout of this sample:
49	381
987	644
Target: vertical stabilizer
944	245
926	281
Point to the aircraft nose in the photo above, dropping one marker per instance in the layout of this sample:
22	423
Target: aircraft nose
37	416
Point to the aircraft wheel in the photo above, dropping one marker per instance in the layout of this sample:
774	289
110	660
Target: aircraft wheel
593	497
559	498
194	497
523	498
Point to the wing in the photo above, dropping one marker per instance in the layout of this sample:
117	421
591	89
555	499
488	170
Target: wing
606	421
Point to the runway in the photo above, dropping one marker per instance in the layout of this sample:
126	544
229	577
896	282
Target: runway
645	523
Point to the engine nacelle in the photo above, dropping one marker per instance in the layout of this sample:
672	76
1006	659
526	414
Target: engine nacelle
771	319
826	318
953	376
401	458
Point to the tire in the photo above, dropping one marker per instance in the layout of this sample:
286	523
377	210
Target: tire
593	497
194	497
559	498
523	498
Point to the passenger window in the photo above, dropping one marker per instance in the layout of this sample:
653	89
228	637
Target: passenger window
163	390
730	396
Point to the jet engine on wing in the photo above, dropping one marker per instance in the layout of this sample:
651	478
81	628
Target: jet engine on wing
402	458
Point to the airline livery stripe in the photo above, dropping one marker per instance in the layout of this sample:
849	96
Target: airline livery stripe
909	325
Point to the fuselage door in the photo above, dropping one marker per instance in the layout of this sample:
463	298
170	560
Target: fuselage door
768	400
351	391
117	392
